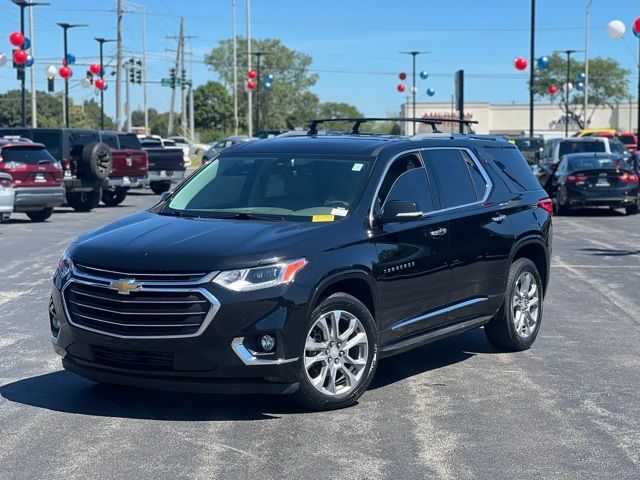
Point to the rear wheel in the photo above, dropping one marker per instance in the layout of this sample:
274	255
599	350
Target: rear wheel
111	198
517	324
84	201
160	187
40	215
560	209
339	355
632	209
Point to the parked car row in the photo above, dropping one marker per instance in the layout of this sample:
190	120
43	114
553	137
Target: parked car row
49	167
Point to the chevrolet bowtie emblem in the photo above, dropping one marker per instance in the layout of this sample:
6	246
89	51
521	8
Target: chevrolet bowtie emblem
125	287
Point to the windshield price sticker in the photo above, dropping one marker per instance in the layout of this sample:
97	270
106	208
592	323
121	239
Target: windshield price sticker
357	167
322	218
339	211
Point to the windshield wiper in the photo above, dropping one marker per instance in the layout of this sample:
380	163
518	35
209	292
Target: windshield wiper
251	216
178	213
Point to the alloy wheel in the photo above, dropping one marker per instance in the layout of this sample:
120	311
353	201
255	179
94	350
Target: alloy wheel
526	305
336	353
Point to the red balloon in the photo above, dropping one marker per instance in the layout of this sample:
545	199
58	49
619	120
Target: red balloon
402	76
400	87
100	83
251	85
520	63
65	72
636	25
252	74
94	68
552	89
20	56
16	39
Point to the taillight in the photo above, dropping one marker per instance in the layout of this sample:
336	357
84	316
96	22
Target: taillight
628	178
547	205
66	165
579	178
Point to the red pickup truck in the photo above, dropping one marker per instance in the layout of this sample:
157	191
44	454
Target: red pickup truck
130	166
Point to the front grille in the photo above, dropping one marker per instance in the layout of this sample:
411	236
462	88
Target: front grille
131	359
148	276
149	312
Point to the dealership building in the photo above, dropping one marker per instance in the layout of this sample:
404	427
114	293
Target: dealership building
549	120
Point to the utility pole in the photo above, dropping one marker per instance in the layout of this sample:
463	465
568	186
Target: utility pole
102	41
532	60
65	27
249	93
259	56
177	73
119	14
586	66
183	90
144	70
34	108
413	54
192	126
128	65
235	68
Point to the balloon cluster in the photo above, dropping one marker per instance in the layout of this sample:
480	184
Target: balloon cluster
520	63
252	77
20	56
423	76
100	83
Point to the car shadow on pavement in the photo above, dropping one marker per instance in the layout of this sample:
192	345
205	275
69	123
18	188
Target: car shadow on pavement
66	392
595	212
610	252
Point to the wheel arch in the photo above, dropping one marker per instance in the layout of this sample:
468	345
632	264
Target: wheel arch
536	250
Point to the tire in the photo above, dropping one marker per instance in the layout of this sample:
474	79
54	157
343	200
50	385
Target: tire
562	210
364	351
160	187
501	330
96	161
632	209
84	201
40	215
112	198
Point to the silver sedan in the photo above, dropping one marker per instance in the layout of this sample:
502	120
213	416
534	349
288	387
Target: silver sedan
7	195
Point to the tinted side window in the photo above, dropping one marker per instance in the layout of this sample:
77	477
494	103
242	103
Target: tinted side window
129	142
51	140
110	140
452	174
413	186
479	182
517	172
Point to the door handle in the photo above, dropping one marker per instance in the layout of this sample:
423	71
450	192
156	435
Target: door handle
499	218
439	232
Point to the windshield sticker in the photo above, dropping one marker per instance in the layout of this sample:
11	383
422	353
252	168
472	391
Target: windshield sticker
322	218
357	167
339	211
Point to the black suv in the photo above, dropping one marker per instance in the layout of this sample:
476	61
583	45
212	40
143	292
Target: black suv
86	161
292	265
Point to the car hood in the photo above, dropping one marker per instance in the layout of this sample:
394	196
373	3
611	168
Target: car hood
149	242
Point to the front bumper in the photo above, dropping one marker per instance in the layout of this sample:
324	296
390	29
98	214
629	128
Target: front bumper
127	182
37	198
165	175
221	359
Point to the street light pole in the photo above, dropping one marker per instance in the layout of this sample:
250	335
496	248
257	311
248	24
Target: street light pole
414	54
102	41
21	68
532	65
65	27
259	56
568	53
586	66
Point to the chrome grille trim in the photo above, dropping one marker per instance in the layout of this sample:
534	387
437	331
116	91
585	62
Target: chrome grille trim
145	278
136	324
158	313
150	286
149	302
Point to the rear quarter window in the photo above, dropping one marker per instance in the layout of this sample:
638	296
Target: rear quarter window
514	168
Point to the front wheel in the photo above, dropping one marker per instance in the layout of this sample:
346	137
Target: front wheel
340	353
517	324
84	201
40	215
160	187
632	210
111	198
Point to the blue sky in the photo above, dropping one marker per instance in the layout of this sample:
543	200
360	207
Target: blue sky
354	44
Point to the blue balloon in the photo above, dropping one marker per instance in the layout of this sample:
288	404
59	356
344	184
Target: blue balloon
29	61
71	58
269	78
581	77
424	75
26	44
580	86
431	92
543	62
267	86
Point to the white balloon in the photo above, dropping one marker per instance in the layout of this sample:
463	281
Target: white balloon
51	71
86	83
568	86
616	29
3	59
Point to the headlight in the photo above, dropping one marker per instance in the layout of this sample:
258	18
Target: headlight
65	264
248	279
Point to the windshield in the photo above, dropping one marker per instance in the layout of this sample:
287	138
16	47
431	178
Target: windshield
299	188
580	147
594	163
529	144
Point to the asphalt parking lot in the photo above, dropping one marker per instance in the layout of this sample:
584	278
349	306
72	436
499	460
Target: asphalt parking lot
567	408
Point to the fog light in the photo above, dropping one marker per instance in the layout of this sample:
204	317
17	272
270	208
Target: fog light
267	343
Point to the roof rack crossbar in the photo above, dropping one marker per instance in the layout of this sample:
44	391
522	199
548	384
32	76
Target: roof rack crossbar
357	122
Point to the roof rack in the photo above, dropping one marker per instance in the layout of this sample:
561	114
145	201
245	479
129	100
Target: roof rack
355	129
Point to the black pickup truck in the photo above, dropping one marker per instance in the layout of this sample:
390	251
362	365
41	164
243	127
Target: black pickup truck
166	164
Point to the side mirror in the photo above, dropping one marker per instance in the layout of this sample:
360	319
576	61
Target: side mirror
164	196
400	211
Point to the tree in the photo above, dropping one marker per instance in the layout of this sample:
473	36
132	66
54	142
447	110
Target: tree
608	84
338	110
213	110
279	107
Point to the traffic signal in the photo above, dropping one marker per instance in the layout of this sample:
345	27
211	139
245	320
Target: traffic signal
132	75
139	76
184	78
172	77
